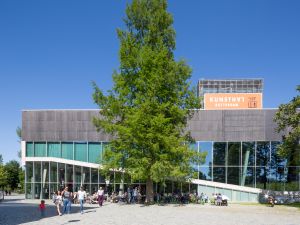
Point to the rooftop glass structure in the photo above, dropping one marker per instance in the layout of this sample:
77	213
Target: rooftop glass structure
229	86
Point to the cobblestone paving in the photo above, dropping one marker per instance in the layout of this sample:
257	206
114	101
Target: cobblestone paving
16	210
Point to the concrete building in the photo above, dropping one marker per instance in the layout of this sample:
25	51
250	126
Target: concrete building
62	147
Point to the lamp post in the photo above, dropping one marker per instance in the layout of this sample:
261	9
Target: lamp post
107	183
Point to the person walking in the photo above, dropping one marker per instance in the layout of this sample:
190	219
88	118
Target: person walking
67	196
100	196
58	202
81	197
135	195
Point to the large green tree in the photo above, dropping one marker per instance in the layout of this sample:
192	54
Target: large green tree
12	169
288	121
151	100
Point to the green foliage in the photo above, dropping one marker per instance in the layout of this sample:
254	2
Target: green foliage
288	121
3	176
148	107
1	160
12	169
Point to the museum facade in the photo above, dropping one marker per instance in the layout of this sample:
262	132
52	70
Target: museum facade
62	147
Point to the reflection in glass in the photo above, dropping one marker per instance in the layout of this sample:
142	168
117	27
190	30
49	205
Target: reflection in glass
37	171
37	190
233	175
69	176
86	175
263	154
94	175
234	154
276	178
29	172
248	176
206	147
219	174
293	174
219	153
61	175
77	171
276	160
248	156
53	172
261	177
205	173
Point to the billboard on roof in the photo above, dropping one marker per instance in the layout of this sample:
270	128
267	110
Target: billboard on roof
214	101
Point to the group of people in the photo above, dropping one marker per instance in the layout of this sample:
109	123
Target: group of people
132	195
7	192
64	199
180	198
220	199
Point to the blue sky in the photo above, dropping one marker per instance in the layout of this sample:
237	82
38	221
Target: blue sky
50	51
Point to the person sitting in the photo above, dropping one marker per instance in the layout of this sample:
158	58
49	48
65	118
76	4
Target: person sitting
114	198
219	199
93	199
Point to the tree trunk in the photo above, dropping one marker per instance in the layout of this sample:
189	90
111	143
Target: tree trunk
149	191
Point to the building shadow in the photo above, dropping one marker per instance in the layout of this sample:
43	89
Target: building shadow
19	213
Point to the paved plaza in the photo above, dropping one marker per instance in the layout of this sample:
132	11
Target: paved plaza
16	210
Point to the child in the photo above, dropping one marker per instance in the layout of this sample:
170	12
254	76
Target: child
42	208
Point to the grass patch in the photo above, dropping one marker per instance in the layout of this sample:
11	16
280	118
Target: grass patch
296	205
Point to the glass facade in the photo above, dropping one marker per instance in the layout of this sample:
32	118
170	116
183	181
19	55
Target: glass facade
251	164
44	178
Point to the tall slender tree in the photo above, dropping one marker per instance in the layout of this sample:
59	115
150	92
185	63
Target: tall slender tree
148	107
288	121
19	134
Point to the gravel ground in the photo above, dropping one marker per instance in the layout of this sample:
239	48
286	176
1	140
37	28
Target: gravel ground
16	210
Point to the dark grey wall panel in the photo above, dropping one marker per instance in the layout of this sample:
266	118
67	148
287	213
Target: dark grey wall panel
205	125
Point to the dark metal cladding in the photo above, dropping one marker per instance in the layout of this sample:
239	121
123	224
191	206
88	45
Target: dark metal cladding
205	125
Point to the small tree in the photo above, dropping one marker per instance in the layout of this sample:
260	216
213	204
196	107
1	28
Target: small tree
1	160
3	174
19	134
148	108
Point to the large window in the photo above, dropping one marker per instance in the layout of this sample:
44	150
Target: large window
67	150
54	150
40	149
81	152
29	172
206	147
233	175
219	153
263	155
95	152
219	174
234	154
37	171
53	172
29	149
248	155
